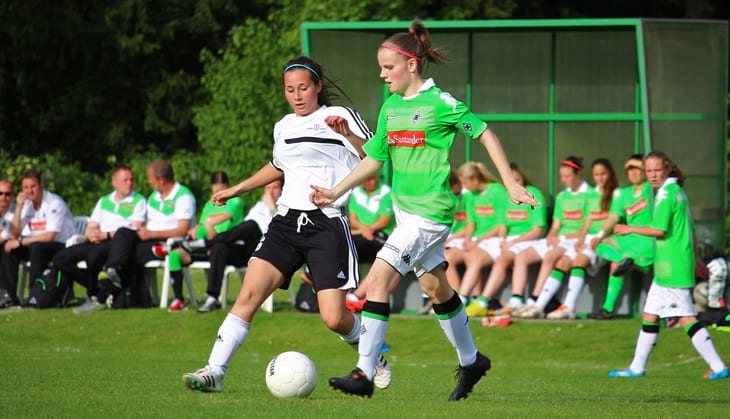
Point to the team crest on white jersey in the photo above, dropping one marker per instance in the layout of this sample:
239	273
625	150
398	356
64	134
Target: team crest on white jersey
318	129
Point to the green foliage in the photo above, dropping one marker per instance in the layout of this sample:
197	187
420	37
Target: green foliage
244	85
79	189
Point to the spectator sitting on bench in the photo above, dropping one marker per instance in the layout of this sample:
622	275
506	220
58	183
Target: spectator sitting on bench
121	208
170	212
41	224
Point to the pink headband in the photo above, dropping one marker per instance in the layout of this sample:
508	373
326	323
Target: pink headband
399	51
571	164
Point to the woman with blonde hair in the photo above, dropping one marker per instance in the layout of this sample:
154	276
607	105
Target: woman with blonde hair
484	203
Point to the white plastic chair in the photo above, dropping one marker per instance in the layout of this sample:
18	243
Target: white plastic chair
151	273
267	306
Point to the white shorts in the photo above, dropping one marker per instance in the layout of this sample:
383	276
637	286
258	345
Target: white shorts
669	302
588	252
455	243
493	246
540	246
416	245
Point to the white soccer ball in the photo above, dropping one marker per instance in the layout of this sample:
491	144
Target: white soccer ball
699	294
291	374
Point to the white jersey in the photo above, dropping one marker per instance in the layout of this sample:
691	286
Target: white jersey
310	153
6	220
53	215
261	215
112	215
163	214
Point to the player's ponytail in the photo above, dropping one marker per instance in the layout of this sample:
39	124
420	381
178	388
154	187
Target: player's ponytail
416	45
428	52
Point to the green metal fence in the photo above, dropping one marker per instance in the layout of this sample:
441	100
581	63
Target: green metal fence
552	88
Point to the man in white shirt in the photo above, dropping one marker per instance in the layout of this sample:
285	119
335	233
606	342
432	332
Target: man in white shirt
121	208
170	213
41	225
7	210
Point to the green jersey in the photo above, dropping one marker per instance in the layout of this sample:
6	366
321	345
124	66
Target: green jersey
635	209
520	218
369	207
570	209
416	134
593	210
234	206
674	257
486	209
459	215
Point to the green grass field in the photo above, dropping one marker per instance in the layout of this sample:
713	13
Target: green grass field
128	363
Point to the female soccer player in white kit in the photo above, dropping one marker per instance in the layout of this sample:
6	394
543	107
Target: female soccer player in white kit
316	144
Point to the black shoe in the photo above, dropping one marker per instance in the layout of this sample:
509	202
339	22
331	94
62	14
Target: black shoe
468	376
7	301
355	383
623	267
602	315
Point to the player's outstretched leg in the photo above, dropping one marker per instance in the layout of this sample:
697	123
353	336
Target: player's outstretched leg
468	376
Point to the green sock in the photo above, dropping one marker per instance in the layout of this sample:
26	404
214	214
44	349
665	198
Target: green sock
175	261
615	284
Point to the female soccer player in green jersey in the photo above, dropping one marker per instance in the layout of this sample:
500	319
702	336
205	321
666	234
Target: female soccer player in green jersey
568	217
416	128
670	294
523	226
631	205
576	259
485	207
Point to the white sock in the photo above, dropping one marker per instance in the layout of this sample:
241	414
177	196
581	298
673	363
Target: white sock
371	340
231	334
644	346
551	287
575	285
704	346
458	332
353	337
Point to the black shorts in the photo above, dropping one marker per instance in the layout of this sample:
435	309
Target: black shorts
310	237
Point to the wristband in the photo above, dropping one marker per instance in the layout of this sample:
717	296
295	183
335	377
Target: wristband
561	238
600	234
20	240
